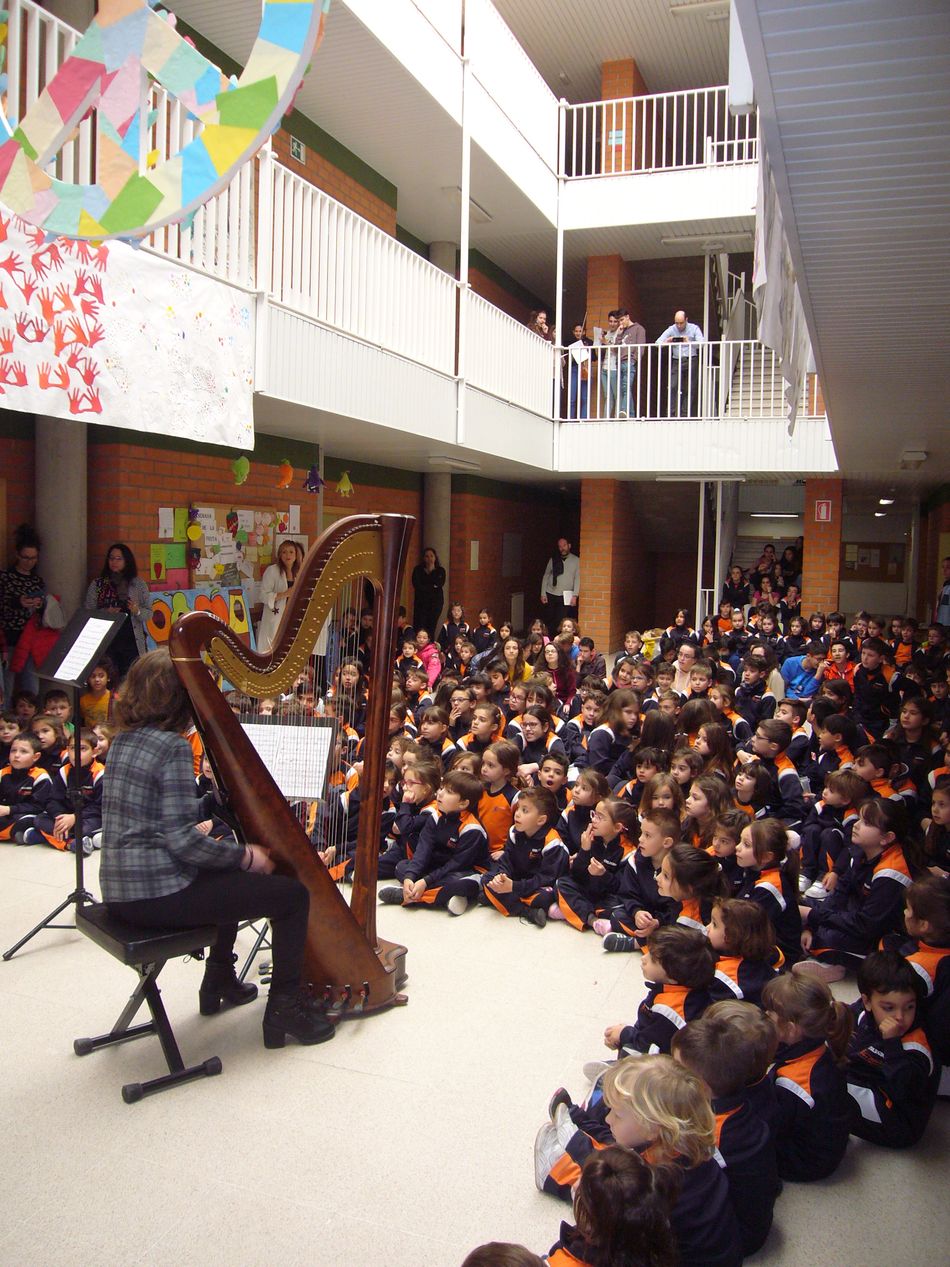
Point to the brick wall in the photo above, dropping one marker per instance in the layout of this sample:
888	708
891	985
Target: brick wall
618	573
496	294
485	517
666	285
335	182
619	80
611	283
934	524
16	463
822	556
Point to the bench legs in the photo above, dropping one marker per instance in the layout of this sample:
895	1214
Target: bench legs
124	1031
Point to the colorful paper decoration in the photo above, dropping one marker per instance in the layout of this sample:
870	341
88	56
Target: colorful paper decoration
241	467
285	474
314	481
105	71
343	486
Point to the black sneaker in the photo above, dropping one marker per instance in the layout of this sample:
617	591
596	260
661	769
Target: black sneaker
391	895
619	941
536	915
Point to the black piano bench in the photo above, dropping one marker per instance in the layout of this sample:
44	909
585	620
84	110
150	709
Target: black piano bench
147	951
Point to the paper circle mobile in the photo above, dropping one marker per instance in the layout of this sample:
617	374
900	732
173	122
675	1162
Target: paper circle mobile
126	42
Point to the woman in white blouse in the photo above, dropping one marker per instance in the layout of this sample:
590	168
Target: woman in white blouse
276	587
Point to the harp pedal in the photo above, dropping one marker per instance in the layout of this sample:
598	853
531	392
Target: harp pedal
363	999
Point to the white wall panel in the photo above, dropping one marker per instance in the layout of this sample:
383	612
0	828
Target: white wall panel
503	430
695	447
495	133
326	370
410	37
660	197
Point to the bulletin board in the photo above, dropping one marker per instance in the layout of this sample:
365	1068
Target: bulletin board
228	603
873	561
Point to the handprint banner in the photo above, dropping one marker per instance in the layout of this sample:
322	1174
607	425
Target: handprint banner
122	337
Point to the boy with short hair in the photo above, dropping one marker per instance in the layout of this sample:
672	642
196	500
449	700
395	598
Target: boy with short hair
453	849
873	763
802	674
891	1073
700	680
770	745
55	826
826	832
523	880
25	788
590	664
58	704
731	1047
753	700
578	730
552	775
795	711
679	966
874	691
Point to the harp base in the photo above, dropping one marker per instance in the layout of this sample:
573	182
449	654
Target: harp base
362	998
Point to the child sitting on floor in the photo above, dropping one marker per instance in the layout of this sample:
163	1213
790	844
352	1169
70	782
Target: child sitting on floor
588	891
640	909
523	879
747	957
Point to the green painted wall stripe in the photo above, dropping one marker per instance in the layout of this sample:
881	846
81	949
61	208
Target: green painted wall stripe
372	476
305	129
498	275
409	239
541	494
15	425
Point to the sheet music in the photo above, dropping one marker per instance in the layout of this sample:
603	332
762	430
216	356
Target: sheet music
84	649
296	756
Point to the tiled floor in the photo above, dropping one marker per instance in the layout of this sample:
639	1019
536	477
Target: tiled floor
403	1143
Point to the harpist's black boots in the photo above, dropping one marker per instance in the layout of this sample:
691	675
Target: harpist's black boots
295	1014
221	985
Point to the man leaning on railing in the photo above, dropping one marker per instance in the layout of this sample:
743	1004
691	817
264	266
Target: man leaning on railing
630	338
682	339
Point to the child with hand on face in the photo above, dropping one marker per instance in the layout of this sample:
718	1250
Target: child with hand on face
523	879
587	893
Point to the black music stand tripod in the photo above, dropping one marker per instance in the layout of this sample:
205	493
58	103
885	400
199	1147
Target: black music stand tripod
79	648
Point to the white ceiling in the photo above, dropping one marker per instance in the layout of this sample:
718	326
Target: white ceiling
568	41
854	97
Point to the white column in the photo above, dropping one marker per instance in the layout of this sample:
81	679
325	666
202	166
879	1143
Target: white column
437	524
61	507
700	533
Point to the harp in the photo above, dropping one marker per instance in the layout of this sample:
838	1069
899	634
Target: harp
345	962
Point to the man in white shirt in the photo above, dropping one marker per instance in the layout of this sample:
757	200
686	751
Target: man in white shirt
682	339
560	586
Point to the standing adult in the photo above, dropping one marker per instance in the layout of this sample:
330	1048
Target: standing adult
561	584
428	583
578	371
119	588
630	338
22	593
942	612
683	339
277	584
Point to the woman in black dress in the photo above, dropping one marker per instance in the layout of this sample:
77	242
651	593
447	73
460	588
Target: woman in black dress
428	583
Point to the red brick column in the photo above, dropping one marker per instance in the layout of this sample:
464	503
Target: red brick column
619	80
617	573
822	562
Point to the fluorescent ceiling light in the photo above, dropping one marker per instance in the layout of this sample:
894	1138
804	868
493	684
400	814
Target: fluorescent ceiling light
711	10
709	240
443	459
885	501
772	514
880	514
912	459
478	212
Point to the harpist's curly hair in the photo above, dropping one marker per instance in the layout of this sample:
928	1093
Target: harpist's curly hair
152	695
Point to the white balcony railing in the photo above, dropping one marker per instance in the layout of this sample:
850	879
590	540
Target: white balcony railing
505	358
733	379
663	132
331	264
219	239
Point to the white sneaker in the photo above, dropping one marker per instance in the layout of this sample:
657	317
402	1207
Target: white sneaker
457	905
803	883
547	1152
817	892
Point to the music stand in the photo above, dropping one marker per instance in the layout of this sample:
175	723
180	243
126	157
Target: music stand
78	649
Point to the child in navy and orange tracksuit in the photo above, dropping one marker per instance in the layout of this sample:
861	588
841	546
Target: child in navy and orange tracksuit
588	892
678	964
747	957
892	1077
56	825
770	878
25	788
927	950
731	1047
522	881
813	1111
639	908
452	851
416	807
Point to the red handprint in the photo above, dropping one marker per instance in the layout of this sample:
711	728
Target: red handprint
88	371
26	288
11	264
93	402
6	343
13	373
86	284
48	377
30	329
4	225
85	402
41	265
95	334
75	401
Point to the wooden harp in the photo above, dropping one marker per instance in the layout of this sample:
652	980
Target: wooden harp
345	962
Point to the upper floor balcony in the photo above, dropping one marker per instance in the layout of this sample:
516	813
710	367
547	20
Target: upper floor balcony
369	349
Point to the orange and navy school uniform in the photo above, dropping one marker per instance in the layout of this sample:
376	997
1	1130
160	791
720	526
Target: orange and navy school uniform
534	863
731	871
496	812
575	737
27	793
694	912
812	1111
774	891
746	1152
468	743
570	1249
451	854
442	750
404	663
196	744
51	760
866	905
824	833
535	752
404	832
583	897
785	797
638	892
798	749
932	965
743	979
604	747
892	1083
666	1009
738	729
60	802
572	824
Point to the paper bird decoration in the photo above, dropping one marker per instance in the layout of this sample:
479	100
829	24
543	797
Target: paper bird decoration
240	466
285	474
313	481
343	485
